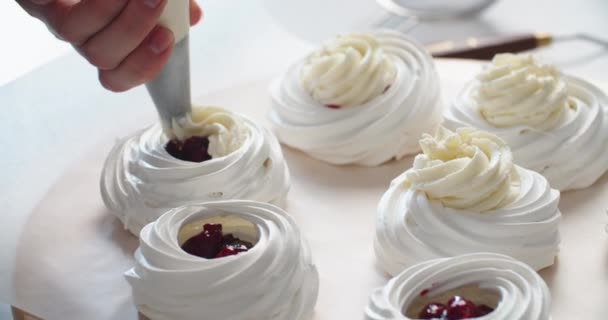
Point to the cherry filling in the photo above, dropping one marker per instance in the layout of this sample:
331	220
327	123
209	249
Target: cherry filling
212	243
194	149
457	308
433	311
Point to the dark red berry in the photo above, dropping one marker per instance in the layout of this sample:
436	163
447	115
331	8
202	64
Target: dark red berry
226	251
194	149
206	244
174	148
333	106
229	250
212	243
433	311
213	228
460	308
483	309
457	308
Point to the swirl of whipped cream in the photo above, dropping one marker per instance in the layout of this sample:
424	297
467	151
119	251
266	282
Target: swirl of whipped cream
468	169
274	280
392	73
555	124
519	90
349	71
427	218
522	293
225	131
141	180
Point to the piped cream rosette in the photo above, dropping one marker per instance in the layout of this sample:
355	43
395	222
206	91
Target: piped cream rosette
555	124
141	180
274	280
359	99
463	195
514	290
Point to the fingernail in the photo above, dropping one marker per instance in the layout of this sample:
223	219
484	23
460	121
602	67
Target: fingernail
152	4
160	40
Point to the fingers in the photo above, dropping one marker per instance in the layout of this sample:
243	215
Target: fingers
120	37
110	46
86	18
143	64
41	2
76	21
35	7
196	13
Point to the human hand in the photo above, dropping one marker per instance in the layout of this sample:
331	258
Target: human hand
120	38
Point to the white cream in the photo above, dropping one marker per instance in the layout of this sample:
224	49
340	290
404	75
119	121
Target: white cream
519	90
349	71
274	280
373	125
520	220
226	131
555	124
140	180
467	169
523	293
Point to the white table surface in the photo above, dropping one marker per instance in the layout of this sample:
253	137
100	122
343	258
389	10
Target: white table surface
58	111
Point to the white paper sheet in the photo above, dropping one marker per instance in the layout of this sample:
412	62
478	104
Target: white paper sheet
72	252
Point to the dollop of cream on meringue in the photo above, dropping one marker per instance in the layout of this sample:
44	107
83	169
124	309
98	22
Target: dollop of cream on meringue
522	292
226	131
363	99
141	180
544	116
274	280
519	90
466	169
464	195
350	70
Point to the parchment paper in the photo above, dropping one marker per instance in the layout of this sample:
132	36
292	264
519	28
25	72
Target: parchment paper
73	252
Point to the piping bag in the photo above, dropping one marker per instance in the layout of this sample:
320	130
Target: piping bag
170	90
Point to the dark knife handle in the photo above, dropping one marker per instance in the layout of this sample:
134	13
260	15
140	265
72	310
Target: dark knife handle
486	48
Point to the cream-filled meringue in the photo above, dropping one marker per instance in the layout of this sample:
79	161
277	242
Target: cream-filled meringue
141	180
359	99
274	280
468	169
520	292
464	195
350	71
555	124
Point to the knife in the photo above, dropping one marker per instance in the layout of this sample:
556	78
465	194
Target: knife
486	48
170	90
